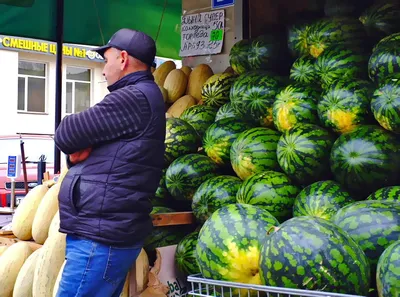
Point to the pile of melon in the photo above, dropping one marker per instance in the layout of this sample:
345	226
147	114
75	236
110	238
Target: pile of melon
28	269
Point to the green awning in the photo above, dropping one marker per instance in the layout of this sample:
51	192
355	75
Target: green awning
93	22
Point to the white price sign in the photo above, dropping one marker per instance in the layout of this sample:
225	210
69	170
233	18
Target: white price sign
202	33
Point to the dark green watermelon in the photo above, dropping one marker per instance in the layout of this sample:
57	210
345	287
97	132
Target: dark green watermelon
226	111
229	244
215	91
385	105
384	61
296	104
180	139
388	271
341	62
345	105
313	253
253	94
219	137
365	160
321	199
200	117
162	196
373	225
254	151
213	194
387	193
297	39
185	257
303	153
187	173
269	190
265	52
303	71
391	39
332	32
238	56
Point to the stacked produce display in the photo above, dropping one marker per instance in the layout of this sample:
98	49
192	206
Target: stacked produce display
293	173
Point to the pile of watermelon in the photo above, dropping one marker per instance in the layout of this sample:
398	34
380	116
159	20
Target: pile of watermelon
294	174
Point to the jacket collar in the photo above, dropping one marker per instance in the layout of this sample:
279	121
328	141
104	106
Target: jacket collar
131	79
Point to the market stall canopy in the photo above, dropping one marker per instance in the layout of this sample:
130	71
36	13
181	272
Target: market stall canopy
93	22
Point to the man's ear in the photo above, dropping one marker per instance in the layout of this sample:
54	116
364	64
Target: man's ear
124	59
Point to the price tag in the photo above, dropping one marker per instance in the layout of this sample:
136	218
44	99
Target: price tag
217	35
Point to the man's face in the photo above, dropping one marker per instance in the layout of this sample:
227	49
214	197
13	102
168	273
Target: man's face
114	65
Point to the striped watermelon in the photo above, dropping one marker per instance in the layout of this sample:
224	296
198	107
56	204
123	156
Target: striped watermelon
180	139
269	190
303	71
213	194
162	196
345	105
200	117
226	111
254	151
297	39
384	61
215	91
219	137
373	225
238	56
303	153
332	32
187	173
265	52
366	160
387	193
385	105
230	241
185	257
294	105
313	253
382	19
253	94
391	39
340	62
388	272
321	199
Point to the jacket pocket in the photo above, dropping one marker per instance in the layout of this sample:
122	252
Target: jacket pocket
67	192
88	196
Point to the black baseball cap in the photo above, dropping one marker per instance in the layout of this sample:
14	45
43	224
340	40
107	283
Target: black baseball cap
137	44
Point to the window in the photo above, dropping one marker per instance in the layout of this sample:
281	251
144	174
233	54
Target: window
78	89
31	86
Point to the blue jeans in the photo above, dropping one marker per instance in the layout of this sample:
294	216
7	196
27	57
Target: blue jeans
94	269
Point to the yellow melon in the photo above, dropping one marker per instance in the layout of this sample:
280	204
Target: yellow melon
181	105
175	84
197	78
162	71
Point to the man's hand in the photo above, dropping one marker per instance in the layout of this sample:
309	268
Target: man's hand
80	156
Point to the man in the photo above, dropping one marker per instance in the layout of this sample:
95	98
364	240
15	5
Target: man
116	153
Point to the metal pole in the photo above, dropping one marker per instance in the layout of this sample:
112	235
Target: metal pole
12	200
58	105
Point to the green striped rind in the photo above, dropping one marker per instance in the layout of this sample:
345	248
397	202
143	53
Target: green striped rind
213	194
384	61
382	19
373	225
230	241
385	106
200	117
270	190
391	193
312	253
187	173
254	151
264	52
345	105
180	139
321	199
162	196
238	57
388	271
297	39
215	91
366	160
219	137
333	31
303	71
185	257
388	40
253	94
303	153
165	236
226	111
340	62
296	104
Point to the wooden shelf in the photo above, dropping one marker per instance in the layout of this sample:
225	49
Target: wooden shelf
173	219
